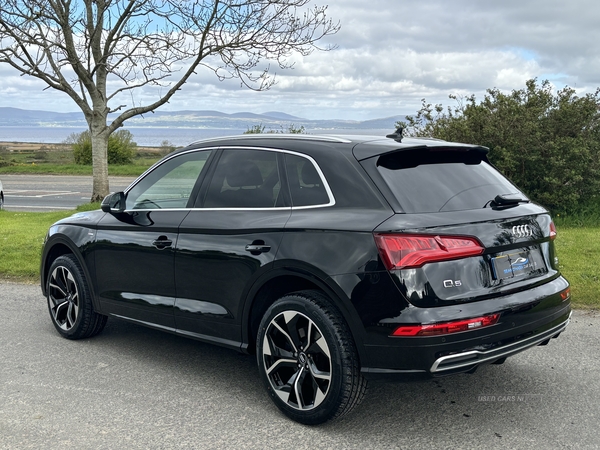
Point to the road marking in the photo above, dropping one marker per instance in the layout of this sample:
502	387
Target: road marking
51	194
9	207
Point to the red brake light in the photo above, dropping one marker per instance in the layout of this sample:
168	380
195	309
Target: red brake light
446	327
403	251
552	231
566	294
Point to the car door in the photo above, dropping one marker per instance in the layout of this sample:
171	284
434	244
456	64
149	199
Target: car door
228	242
134	250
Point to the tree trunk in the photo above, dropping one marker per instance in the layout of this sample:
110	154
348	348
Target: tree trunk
100	135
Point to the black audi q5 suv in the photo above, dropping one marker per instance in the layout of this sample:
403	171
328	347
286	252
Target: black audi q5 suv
332	258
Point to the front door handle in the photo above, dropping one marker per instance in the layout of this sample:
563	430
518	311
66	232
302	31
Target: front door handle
258	247
162	242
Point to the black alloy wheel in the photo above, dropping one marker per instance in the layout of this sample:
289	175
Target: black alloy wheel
69	300
307	359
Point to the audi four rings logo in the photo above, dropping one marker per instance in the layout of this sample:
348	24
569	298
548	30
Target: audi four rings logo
522	231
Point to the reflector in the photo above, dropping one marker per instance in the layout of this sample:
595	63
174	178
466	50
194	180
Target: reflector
552	231
446	327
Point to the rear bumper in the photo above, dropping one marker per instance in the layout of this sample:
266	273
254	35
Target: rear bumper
527	319
468	359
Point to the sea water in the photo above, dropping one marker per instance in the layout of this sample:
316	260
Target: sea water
148	136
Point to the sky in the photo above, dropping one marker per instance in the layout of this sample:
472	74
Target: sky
391	54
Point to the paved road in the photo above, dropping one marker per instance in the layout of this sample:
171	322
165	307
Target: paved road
133	387
51	192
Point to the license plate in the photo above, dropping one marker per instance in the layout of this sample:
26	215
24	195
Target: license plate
512	265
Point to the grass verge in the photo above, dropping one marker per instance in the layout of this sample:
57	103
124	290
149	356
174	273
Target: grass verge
133	170
22	236
57	159
579	255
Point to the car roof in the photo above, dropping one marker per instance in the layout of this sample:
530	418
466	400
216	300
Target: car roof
362	146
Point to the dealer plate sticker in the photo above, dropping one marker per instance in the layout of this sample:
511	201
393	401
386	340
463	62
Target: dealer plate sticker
513	265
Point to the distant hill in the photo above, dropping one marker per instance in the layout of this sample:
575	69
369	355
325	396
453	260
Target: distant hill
25	117
194	119
280	115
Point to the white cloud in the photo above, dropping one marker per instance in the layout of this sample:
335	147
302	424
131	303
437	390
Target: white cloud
392	54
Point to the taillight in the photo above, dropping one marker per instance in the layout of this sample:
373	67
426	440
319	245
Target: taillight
552	231
566	294
404	251
446	327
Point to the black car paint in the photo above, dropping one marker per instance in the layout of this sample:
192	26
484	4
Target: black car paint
213	267
206	284
493	229
134	275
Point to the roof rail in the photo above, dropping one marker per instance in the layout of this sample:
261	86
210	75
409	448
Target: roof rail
305	137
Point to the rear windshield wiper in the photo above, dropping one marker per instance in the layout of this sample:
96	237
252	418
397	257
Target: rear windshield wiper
506	201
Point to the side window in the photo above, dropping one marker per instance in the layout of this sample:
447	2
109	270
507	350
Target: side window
169	185
306	186
245	179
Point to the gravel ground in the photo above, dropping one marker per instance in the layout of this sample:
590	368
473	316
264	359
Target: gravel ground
133	387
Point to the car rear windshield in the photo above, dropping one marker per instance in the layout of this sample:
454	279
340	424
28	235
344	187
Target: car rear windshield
426	181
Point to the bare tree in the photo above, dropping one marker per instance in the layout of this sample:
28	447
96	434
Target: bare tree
83	47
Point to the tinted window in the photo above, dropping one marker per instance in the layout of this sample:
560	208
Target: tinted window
432	181
170	184
306	186
245	179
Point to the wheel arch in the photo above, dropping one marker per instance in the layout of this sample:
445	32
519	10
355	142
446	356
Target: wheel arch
282	281
59	246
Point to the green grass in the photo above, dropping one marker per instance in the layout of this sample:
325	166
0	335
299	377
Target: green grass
61	162
22	236
579	255
21	239
134	170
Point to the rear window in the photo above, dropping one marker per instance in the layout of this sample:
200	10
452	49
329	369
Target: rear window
426	181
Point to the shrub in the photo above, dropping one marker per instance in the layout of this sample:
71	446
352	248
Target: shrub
166	147
291	129
121	147
547	143
255	129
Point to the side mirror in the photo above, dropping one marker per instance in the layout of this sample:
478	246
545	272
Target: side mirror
114	203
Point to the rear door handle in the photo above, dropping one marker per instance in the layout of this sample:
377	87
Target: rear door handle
258	247
162	242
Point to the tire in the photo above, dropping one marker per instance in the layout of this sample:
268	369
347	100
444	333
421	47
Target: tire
307	359
70	300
